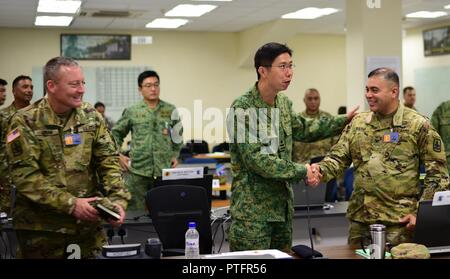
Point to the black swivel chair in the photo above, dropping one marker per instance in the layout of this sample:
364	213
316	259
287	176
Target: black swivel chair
171	208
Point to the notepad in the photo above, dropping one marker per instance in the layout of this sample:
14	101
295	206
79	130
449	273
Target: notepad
365	253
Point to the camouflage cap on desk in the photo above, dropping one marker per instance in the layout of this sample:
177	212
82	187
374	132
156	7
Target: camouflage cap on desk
410	251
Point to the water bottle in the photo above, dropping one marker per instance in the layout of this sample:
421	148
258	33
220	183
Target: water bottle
378	241
192	248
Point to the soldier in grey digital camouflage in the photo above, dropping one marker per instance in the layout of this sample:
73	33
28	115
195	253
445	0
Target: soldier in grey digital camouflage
386	147
156	138
262	197
60	152
441	121
22	89
303	152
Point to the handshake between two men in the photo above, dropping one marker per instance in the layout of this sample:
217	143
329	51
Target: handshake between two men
313	175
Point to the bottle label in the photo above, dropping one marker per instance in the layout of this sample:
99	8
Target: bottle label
191	243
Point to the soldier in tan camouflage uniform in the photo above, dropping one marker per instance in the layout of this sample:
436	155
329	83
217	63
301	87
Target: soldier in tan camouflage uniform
386	147
156	138
59	152
441	121
22	89
262	197
305	151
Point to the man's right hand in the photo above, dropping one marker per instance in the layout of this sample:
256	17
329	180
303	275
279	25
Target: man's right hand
313	175
84	211
124	162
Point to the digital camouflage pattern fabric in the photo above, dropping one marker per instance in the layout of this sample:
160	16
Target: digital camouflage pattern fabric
152	147
261	189
56	159
410	251
304	152
5	178
386	154
441	122
153	133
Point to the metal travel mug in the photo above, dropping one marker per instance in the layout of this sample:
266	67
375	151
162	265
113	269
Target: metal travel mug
378	237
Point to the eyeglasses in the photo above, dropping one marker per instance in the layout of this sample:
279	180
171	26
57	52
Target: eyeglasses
150	85
76	84
283	67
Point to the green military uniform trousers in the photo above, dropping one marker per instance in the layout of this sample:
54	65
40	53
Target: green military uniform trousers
54	245
360	233
138	186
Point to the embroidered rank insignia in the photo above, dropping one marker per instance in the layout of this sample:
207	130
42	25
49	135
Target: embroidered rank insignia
437	145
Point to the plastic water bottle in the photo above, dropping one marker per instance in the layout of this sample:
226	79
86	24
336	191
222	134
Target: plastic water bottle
192	250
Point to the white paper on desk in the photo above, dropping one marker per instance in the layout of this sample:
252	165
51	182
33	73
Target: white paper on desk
216	183
277	254
441	198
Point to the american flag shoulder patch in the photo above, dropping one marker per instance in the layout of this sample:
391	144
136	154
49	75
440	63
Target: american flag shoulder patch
12	135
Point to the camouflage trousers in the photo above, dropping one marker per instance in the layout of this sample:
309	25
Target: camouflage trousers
138	186
358	234
248	235
53	245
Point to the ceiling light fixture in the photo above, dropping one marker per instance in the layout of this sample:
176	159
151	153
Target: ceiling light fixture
53	20
310	13
188	10
167	23
60	7
426	14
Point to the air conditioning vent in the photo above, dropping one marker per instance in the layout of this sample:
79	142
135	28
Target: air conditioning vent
111	14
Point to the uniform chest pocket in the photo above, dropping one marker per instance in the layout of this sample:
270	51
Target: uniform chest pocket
51	144
78	155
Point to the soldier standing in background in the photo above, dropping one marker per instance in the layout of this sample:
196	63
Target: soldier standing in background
59	151
262	198
409	97
22	89
303	151
386	147
3	84
156	138
441	121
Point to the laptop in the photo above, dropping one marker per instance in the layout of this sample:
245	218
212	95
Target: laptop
316	196
433	227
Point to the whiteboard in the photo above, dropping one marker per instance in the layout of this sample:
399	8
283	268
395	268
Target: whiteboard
432	88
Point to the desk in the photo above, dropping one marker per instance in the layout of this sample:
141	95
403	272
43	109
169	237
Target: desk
348	252
217	155
223	190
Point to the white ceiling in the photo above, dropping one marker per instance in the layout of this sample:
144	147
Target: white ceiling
232	16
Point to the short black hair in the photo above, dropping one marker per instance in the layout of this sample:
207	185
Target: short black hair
266	54
99	104
145	75
19	78
407	88
3	82
386	73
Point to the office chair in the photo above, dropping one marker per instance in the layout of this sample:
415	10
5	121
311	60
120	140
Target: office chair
198	146
171	208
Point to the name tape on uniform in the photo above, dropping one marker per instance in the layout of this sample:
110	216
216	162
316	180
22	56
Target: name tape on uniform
182	173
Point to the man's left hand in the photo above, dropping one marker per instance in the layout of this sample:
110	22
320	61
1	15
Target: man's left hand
174	162
410	221
352	113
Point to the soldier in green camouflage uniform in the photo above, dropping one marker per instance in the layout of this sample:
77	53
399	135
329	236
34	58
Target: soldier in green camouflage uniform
386	147
156	138
22	89
59	152
303	152
441	121
262	197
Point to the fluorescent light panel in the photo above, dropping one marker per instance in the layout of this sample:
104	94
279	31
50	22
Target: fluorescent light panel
60	7
53	20
310	13
167	23
426	14
188	10
447	7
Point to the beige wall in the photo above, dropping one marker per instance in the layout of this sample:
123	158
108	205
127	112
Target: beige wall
193	65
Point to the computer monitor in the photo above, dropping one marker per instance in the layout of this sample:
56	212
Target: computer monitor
204	182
